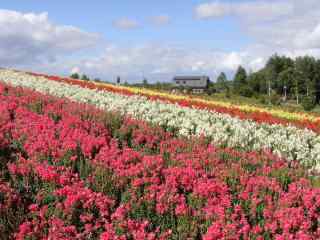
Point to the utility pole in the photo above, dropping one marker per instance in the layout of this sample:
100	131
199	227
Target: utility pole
269	88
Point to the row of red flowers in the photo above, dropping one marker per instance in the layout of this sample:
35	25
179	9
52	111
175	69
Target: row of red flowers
258	116
69	171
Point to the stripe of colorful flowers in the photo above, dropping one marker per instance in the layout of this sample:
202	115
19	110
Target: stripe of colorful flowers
222	129
69	171
257	114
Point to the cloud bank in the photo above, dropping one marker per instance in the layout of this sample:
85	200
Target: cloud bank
29	38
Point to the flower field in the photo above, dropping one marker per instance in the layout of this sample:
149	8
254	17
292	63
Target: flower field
78	162
222	129
242	111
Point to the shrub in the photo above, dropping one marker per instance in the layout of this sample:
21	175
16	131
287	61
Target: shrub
308	103
275	99
228	93
246	91
211	91
262	99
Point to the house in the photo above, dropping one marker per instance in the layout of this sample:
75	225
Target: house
197	84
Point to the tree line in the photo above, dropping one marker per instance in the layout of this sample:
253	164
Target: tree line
281	78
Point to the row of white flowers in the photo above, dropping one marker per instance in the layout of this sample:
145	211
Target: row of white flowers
286	141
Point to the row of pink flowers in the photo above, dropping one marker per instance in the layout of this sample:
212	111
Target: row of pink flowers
78	173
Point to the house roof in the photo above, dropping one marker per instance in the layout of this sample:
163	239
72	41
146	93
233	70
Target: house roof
186	78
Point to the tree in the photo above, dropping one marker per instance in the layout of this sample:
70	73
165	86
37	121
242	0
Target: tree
257	82
118	80
287	79
305	67
85	77
221	84
240	77
240	80
246	91
316	82
145	82
274	66
75	75
211	88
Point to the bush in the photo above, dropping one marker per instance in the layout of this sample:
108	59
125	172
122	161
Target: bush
246	91
275	99
228	93
211	91
262	99
308	103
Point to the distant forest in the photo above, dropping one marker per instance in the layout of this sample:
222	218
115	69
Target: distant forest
282	77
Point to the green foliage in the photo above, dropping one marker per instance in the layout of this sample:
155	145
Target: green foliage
308	103
257	82
211	90
285	77
221	84
262	99
246	91
283	177
240	79
105	182
85	77
113	122
275	99
36	107
228	93
75	76
145	82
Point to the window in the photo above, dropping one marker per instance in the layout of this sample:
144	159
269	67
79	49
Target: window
178	82
184	82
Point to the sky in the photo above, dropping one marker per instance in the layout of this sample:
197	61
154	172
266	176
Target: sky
154	39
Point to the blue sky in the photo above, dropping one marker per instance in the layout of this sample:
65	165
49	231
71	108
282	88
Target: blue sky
159	38
98	16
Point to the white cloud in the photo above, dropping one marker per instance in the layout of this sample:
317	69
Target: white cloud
212	10
308	39
75	70
283	26
159	62
257	63
29	38
259	10
160	20
232	60
125	23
